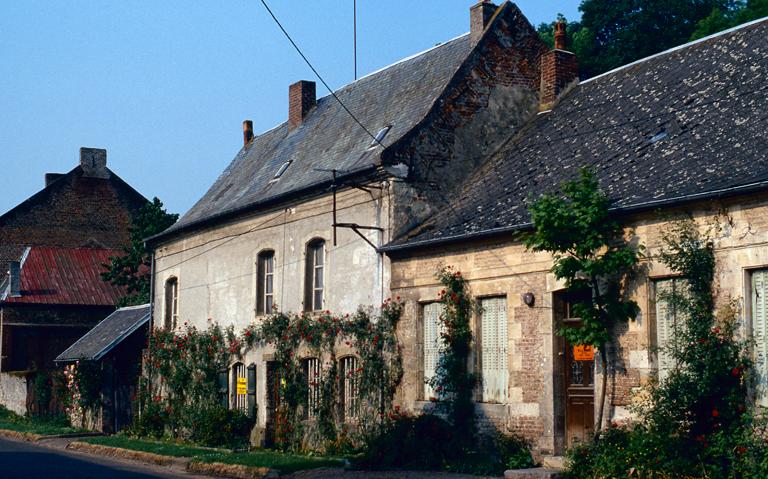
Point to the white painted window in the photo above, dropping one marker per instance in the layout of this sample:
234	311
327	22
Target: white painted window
171	303
433	329
239	389
315	276
668	322
265	287
348	388
494	354
759	295
312	373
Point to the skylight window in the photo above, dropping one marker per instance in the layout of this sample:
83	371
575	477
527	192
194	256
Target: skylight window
281	170
658	136
380	136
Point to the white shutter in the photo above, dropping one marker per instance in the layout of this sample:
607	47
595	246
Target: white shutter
493	350
432	343
760	332
665	326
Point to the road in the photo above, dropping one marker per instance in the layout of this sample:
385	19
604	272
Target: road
24	460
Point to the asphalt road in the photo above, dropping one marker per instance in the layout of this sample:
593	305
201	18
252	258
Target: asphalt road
23	460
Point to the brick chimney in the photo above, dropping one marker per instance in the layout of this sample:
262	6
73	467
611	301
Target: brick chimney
14	276
247	132
480	15
93	162
301	99
559	69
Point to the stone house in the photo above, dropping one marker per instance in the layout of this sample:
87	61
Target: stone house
296	220
682	132
54	245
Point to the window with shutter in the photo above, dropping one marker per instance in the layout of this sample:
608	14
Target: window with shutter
239	390
667	322
252	390
265	285
171	303
760	332
433	329
494	369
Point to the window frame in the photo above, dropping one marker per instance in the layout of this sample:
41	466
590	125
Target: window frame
315	249
265	295
171	312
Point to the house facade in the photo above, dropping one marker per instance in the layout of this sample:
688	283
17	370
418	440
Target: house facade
53	247
295	223
682	133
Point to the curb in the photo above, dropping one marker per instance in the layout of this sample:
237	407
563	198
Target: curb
140	456
231	470
22	436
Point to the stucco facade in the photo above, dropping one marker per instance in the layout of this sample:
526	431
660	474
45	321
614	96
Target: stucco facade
503	267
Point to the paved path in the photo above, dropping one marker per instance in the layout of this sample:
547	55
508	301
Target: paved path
24	460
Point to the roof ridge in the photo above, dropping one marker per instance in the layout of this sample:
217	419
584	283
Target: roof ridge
678	47
136	306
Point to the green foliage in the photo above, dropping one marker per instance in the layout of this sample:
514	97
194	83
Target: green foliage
428	442
217	425
699	421
613	33
44	425
85	381
452	379
133	269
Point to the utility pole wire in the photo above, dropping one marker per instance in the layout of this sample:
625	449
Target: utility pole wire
269	10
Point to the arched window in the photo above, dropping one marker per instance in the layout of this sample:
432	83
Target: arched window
265	282
314	278
348	380
171	303
239	389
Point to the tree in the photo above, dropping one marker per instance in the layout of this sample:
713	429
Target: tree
613	33
590	253
133	269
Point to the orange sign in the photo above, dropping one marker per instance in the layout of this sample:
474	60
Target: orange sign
583	353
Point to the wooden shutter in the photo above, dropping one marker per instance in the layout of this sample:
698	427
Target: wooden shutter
252	390
224	387
493	350
760	332
665	325
432	344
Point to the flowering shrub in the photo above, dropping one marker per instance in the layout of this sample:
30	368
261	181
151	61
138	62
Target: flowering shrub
452	378
699	421
83	383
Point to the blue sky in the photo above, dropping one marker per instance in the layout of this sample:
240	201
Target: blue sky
164	86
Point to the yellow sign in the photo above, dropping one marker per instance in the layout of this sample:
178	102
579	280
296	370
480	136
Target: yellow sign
583	353
242	386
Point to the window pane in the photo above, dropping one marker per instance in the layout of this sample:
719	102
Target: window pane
319	254
270	263
318	278
318	301
268	286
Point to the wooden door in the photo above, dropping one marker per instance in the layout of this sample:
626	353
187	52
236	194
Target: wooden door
273	403
579	394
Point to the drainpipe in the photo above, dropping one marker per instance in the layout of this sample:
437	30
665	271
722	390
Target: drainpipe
151	321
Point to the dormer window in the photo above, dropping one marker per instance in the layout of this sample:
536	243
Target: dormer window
380	137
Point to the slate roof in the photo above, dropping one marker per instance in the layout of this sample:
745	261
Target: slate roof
107	334
691	122
65	276
400	95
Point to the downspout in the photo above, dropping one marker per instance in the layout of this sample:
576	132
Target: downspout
1	345
151	321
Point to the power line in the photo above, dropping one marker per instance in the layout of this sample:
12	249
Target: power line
304	57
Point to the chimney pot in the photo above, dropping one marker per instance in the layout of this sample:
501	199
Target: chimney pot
51	177
480	15
301	99
560	35
93	162
14	273
247	132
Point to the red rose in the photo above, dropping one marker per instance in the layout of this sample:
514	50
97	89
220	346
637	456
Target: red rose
715	413
736	372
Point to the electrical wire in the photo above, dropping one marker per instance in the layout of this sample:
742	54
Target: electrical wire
317	74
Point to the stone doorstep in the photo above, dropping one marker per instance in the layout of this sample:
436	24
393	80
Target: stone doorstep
215	469
553	462
534	473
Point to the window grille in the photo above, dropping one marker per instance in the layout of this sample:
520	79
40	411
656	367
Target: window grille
239	389
494	357
312	373
348	377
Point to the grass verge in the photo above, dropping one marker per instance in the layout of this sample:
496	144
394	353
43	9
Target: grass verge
274	460
35	425
147	445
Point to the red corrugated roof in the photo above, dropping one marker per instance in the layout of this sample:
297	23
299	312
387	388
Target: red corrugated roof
67	276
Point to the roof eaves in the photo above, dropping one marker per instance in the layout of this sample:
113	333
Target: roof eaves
141	322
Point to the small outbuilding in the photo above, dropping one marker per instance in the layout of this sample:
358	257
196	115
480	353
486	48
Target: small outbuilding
115	345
